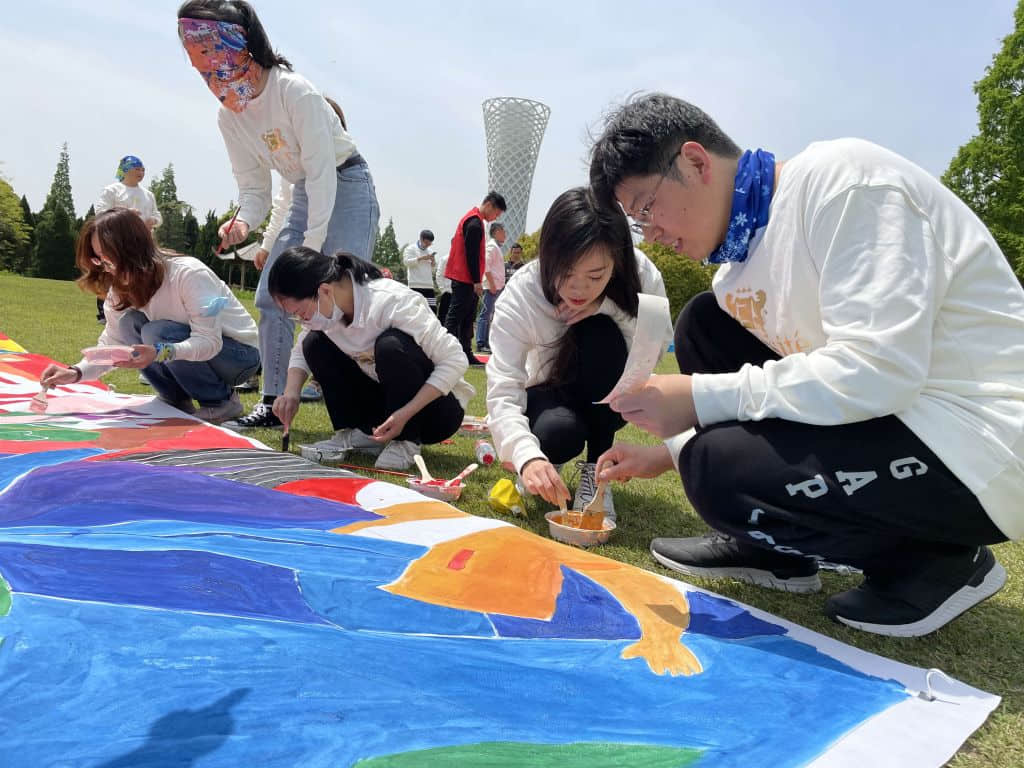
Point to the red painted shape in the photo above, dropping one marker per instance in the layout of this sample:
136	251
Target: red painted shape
343	489
460	558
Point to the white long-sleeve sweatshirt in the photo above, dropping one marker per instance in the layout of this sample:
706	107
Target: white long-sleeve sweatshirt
524	337
419	272
136	198
291	129
382	304
190	294
884	294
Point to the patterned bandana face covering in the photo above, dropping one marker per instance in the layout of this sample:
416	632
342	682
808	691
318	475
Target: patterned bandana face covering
127	163
217	49
751	198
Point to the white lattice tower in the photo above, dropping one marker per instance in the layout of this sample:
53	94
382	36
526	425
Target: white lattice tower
514	129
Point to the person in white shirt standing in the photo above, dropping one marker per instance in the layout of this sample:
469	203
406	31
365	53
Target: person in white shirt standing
856	377
390	373
494	282
419	266
560	337
188	332
272	118
444	288
126	193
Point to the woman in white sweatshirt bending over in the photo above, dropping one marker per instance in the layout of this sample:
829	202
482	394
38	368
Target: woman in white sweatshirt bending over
274	119
189	334
390	373
560	336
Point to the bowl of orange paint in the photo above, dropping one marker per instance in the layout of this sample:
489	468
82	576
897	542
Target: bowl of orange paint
579	537
436	489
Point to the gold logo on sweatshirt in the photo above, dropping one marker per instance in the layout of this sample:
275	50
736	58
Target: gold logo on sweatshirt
747	308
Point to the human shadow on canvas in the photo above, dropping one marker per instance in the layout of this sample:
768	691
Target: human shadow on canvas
181	737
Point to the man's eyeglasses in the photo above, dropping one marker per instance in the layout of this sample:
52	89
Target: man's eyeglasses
643	218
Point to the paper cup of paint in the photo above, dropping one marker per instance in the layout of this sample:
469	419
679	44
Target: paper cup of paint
107	355
577	536
436	489
473	426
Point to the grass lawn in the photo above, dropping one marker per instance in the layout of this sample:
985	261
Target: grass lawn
982	648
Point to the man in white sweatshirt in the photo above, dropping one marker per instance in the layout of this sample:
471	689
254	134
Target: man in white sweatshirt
419	263
852	390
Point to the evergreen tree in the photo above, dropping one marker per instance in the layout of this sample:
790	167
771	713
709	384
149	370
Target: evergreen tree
386	252
190	231
171	233
54	254
15	233
988	171
25	259
60	188
207	241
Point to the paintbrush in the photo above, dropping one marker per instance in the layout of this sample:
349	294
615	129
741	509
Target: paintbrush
227	231
284	440
461	476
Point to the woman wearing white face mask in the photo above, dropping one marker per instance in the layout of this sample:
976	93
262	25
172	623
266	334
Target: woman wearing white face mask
390	373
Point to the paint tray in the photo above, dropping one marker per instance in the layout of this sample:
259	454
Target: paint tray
577	536
436	489
107	355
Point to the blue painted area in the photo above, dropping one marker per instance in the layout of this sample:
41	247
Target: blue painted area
218	687
171	580
584	609
113	492
718	617
13	466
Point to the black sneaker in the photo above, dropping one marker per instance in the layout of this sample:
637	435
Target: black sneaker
260	417
476	363
717	556
921	603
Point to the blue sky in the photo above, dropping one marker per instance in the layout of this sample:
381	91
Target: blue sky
110	78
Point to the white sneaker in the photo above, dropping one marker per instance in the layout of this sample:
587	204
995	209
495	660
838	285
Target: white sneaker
397	455
336	448
588	487
223	411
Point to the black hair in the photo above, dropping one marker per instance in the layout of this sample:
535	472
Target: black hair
515	245
241	13
573	226
495	227
299	271
426	234
337	110
495	199
642	137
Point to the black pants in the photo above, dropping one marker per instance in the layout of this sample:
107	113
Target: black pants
869	494
461	314
100	314
428	294
442	306
565	416
353	399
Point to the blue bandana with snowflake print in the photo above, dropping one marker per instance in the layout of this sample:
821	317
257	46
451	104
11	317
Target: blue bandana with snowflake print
751	197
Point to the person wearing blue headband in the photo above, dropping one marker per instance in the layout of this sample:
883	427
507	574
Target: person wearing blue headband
126	192
852	387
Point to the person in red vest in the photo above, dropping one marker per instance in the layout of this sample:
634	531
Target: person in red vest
466	268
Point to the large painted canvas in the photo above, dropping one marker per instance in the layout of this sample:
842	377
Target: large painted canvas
175	594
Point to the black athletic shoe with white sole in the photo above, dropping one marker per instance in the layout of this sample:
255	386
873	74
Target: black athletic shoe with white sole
923	602
718	556
261	417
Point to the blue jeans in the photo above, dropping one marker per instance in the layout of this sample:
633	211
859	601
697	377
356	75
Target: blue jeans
210	381
483	322
352	228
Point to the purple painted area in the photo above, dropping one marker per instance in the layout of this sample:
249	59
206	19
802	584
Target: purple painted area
173	580
718	617
105	493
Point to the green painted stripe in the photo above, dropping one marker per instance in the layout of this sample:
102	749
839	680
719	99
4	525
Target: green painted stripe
503	754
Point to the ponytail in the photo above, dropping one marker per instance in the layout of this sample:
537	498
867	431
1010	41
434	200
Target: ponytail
299	271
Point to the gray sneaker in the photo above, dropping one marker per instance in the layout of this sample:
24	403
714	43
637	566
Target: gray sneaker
185	405
397	455
222	411
336	448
